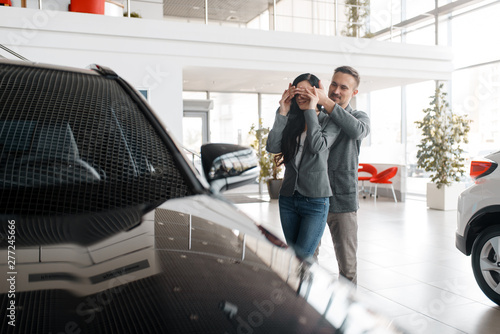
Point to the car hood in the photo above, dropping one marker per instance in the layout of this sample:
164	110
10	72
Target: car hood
193	265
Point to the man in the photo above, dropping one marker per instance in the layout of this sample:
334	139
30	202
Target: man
343	166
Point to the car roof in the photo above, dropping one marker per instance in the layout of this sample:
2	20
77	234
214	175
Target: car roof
47	66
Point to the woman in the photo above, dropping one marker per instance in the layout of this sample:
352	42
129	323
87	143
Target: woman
301	137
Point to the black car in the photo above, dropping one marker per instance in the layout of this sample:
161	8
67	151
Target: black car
106	227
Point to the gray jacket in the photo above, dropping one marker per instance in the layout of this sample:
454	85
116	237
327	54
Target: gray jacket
343	159
311	177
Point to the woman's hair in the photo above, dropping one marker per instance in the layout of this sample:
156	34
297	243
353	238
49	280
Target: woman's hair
295	125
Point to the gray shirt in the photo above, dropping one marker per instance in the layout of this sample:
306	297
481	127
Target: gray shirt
310	177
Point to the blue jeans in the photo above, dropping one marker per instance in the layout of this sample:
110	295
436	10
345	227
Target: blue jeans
303	220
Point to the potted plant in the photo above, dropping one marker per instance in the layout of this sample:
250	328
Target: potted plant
440	151
269	171
357	11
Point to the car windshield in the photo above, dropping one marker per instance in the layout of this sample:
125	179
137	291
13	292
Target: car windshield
76	142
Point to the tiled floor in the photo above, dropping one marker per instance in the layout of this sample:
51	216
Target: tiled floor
409	268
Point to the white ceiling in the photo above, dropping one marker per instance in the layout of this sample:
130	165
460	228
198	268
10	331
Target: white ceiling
269	82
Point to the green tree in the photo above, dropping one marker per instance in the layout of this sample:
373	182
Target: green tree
440	151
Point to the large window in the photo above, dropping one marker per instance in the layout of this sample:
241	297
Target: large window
384	14
270	104
476	84
473	36
415	8
418	97
476	93
385	118
232	116
306	16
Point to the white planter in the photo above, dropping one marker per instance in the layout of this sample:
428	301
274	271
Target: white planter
445	198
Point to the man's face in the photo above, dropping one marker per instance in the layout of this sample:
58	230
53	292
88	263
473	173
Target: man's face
342	88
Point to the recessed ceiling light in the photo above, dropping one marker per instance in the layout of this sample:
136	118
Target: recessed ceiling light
196	7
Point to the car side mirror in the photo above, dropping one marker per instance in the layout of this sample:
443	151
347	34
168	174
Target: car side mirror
228	166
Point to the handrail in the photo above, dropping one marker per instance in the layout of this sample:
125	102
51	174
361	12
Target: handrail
193	154
12	52
191	151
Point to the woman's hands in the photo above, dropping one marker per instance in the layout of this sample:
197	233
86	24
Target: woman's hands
312	95
286	99
305	95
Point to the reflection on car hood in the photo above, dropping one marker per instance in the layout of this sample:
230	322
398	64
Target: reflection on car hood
193	265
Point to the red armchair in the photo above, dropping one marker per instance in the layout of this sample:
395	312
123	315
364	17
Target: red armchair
366	169
384	177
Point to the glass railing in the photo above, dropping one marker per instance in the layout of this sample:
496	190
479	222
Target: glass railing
322	17
383	20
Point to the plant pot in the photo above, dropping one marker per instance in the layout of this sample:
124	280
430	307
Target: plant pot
445	198
273	188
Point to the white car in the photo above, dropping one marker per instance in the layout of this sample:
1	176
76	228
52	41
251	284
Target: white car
478	225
